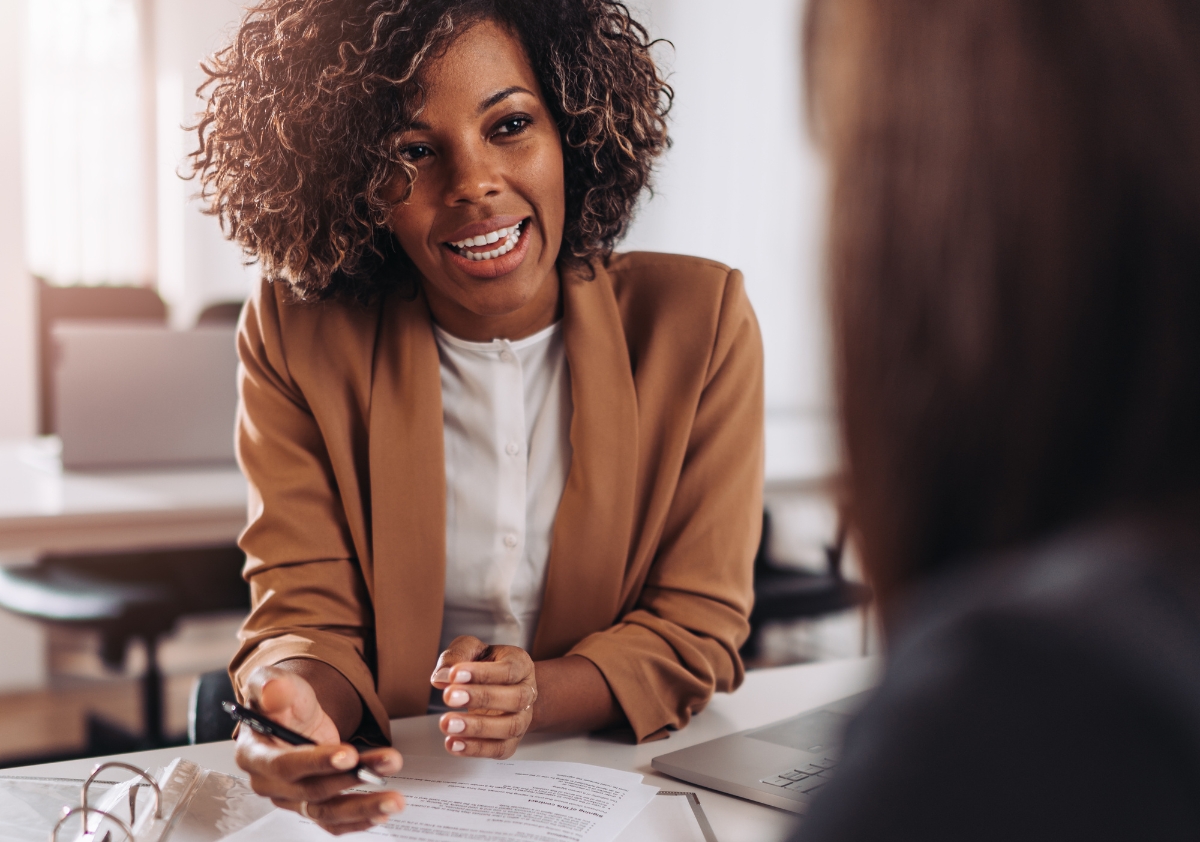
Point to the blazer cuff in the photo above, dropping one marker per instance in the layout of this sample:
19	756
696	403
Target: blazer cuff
652	707
342	656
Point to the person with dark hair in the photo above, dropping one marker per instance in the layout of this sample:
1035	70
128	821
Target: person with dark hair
1015	289
469	426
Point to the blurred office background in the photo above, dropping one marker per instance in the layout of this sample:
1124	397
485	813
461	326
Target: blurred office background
95	93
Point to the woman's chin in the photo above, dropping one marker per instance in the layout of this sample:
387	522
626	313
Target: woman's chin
496	302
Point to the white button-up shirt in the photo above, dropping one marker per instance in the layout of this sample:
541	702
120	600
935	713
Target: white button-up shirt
507	420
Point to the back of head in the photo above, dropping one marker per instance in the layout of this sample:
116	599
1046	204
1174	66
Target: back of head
1015	259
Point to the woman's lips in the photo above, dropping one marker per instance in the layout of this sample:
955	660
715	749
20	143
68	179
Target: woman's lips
494	267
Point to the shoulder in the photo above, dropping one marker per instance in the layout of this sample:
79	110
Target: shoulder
650	277
1115	602
301	335
274	301
693	299
1089	586
667	269
1015	682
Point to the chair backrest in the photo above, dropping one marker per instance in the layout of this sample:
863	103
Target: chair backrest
221	313
109	303
207	721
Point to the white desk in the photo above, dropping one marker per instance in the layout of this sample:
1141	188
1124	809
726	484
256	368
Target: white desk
766	696
46	509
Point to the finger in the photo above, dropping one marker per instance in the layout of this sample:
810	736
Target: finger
350	812
354	809
512	726
290	700
497	749
508	698
463	649
384	761
502	670
274	768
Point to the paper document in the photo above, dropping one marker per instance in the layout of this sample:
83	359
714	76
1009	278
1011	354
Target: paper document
30	806
488	801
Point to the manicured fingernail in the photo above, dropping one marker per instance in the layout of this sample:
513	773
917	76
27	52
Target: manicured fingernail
457	745
342	760
389	765
456	726
462	677
441	675
457	697
390	806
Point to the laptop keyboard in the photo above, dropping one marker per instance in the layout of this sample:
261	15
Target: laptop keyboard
807	780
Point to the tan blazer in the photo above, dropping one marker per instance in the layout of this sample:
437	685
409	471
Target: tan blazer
649	577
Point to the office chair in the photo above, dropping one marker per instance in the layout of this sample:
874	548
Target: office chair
120	596
221	313
124	597
786	593
207	721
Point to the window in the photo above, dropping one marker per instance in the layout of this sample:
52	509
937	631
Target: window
88	151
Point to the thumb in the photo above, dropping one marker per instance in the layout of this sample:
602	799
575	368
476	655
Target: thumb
289	700
462	650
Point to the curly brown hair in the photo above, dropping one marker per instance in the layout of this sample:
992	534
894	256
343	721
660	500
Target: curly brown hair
298	148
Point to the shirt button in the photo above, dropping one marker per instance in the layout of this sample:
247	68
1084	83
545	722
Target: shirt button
512	448
506	356
510	541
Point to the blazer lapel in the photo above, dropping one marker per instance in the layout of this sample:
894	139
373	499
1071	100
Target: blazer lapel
408	505
591	538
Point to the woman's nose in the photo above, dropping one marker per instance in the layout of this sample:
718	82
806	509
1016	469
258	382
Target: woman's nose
473	178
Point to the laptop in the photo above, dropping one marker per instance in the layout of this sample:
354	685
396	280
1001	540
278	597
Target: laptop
783	764
144	396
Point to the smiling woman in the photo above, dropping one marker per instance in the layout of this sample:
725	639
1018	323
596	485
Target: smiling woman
485	140
469	427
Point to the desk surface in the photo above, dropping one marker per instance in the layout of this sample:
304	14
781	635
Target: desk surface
766	696
46	509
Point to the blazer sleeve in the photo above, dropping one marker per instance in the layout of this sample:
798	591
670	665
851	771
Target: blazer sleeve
679	644
308	595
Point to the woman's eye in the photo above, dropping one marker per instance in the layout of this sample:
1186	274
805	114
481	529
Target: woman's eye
416	152
513	125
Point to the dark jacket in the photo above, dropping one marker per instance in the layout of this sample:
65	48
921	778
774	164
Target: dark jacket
1051	694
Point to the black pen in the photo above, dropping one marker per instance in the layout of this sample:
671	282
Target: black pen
271	728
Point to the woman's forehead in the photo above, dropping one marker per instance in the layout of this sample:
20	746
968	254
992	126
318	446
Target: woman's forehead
485	57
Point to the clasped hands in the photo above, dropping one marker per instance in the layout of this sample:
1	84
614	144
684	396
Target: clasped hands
494	685
497	686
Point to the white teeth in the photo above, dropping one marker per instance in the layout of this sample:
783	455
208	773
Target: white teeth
487	239
510	236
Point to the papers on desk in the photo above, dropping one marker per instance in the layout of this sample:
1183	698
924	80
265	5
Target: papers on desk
488	801
29	806
447	799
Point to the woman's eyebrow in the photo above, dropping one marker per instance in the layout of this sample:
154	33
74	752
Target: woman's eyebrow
500	96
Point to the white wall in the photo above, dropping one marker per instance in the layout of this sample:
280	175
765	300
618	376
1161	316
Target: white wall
743	184
196	264
17	385
22	658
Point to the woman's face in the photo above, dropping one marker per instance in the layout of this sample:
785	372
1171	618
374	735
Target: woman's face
484	221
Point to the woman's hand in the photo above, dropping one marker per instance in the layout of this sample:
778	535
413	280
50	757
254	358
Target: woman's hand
311	779
497	685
